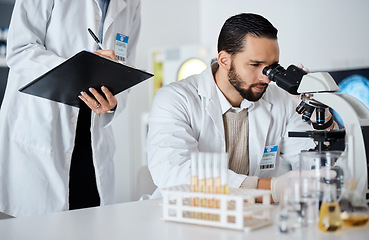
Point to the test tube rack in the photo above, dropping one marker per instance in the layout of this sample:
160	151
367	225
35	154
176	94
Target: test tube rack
237	209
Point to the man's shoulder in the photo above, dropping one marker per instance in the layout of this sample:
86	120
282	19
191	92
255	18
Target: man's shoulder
181	92
187	86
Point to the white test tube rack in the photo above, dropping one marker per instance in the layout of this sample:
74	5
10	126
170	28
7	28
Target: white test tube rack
237	209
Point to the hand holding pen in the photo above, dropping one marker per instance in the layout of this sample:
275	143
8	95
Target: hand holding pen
101	52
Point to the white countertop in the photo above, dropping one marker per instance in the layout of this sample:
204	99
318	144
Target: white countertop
142	220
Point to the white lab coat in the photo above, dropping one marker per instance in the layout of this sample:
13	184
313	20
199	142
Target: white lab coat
186	117
37	135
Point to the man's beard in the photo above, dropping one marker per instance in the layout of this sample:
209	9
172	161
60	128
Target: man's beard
247	93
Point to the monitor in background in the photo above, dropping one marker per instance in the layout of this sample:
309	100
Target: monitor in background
353	82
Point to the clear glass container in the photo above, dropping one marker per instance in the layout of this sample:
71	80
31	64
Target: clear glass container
330	213
354	210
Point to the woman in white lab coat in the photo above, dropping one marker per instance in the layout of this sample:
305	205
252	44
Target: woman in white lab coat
37	135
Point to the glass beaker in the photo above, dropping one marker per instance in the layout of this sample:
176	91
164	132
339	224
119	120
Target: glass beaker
299	204
326	167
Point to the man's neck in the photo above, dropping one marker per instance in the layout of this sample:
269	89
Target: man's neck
231	94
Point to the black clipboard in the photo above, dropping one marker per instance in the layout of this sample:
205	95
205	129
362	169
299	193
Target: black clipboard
85	69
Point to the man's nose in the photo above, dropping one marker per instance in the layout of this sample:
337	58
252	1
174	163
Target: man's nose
263	78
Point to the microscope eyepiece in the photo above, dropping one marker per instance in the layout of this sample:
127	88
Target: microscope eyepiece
273	69
288	80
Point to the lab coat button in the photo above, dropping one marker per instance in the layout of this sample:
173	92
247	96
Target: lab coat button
73	120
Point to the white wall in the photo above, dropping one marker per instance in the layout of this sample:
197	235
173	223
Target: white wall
322	35
329	34
164	23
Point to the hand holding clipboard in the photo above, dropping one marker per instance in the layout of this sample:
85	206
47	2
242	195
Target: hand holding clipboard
79	73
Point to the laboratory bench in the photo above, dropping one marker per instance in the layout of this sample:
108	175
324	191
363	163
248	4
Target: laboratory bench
143	220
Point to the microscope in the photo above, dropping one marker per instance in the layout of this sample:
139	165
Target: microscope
319	92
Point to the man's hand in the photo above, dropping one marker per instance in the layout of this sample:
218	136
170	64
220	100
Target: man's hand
277	185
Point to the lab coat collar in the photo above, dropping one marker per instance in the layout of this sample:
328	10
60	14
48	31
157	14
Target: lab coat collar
206	85
207	90
115	7
225	105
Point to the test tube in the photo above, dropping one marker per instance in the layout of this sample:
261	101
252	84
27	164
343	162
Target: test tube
202	180
224	172
201	171
209	181
194	187
216	176
194	178
208	173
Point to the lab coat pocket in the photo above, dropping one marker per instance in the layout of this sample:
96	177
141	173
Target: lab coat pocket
33	128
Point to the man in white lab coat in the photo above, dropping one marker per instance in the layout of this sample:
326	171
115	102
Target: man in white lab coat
38	136
230	107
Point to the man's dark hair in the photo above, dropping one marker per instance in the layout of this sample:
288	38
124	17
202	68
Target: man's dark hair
234	30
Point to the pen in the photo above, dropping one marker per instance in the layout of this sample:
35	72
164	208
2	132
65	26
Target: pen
95	38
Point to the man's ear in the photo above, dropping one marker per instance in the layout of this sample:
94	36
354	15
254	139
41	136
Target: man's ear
224	60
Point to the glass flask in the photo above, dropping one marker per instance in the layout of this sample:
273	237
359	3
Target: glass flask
330	213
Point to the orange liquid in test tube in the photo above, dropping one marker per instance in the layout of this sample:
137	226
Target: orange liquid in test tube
216	177
209	182
202	181
194	187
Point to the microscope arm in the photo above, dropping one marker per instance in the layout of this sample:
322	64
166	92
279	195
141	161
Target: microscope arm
317	82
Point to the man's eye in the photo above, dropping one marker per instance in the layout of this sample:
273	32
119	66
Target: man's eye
255	64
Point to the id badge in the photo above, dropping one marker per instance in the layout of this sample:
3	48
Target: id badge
121	42
269	158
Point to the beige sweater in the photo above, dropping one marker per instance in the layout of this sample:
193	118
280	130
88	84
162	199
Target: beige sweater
236	127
